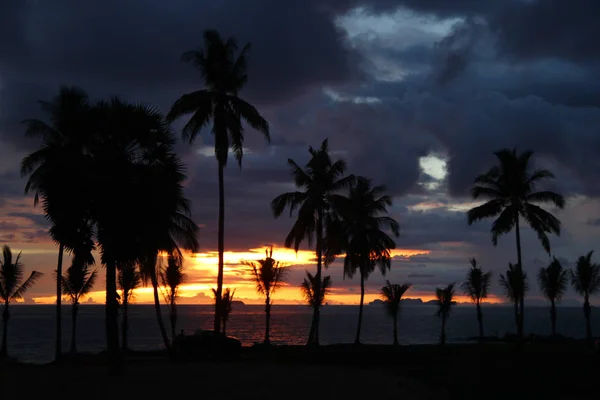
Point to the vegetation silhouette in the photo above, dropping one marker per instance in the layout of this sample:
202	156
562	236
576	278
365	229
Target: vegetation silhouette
314	293
476	286
358	231
510	188
392	296
269	275
128	279
224	75
553	281
320	179
52	169
515	285
171	278
12	287
444	301
226	305
585	279
77	283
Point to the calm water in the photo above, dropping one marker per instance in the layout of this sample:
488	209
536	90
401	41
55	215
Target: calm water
31	328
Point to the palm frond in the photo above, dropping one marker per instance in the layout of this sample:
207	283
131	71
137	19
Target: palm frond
25	286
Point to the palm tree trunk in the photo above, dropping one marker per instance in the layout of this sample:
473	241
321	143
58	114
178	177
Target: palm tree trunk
396	329
520	261
224	327
74	328
313	337
553	317
112	320
161	325
58	340
360	307
125	324
517	319
221	248
268	320
480	321
587	312
5	317
443	335
173	317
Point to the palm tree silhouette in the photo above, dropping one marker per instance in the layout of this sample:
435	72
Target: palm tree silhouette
53	168
128	279
314	293
360	234
12	288
226	304
225	75
476	286
76	284
586	281
172	277
515	286
553	282
510	188
444	301
392	296
269	275
319	180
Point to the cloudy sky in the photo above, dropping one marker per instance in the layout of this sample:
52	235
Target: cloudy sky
416	94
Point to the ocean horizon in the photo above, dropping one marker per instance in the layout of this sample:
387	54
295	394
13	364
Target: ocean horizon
31	327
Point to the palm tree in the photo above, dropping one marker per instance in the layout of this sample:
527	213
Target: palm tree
586	281
553	281
314	293
515	286
76	284
476	286
511	190
226	303
269	275
12	288
318	181
392	296
171	279
444	302
53	168
224	75
361	234
128	279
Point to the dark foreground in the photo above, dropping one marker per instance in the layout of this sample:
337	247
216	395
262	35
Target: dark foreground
548	371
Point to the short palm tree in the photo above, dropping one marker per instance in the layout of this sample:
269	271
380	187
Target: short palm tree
225	74
476	286
12	287
269	275
553	281
444	301
362	234
510	188
586	281
515	286
392	296
316	183
128	279
226	304
77	283
171	278
314	293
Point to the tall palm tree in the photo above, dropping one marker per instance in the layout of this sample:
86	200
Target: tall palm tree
510	188
269	275
392	296
444	301
53	168
318	181
476	286
12	287
586	281
515	286
361	234
226	305
128	279
76	284
225	74
172	277
553	281
314	293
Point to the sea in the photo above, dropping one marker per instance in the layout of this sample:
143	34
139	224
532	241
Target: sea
31	327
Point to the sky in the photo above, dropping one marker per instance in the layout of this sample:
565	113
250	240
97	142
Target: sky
414	94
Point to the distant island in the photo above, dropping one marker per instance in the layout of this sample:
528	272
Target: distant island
238	303
409	302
